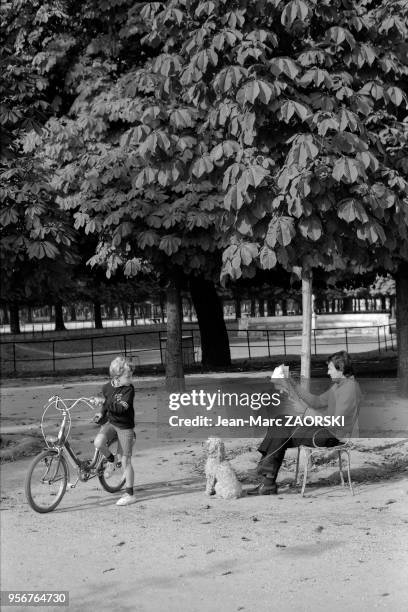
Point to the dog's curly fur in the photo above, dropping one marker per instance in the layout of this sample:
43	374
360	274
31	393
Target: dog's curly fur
221	478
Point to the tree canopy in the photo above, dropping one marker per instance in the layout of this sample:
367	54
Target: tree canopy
273	131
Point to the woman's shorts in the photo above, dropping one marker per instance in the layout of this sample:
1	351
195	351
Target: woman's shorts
125	437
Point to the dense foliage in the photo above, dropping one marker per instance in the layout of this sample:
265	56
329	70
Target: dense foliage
271	130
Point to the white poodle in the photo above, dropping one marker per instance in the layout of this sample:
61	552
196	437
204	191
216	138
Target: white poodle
221	478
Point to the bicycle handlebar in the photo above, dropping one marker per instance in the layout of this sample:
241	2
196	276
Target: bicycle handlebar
87	400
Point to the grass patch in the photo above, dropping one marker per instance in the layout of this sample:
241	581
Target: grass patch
14	446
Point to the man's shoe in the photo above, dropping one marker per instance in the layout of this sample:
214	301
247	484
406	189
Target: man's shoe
263	489
126	500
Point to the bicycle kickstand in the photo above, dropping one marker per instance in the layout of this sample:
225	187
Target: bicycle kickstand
72	485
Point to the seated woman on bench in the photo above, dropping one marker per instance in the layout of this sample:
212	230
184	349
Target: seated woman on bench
342	399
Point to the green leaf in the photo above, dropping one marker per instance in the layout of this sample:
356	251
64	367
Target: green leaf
8	216
225	150
170	244
316	77
396	96
290	107
303	149
123	230
348	120
205	9
252	177
146	177
280	231
182	118
50	250
203	166
231	175
133	267
197	218
253	90
311	227
248	251
369	160
347	170
352	209
284	65
41	249
380	197
374	89
325	123
147	238
294	10
338	35
267	258
228	78
233	199
372	232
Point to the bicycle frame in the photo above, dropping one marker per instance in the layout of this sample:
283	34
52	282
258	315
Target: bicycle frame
62	446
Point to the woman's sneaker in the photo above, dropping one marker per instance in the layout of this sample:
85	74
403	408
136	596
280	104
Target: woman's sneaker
126	500
109	469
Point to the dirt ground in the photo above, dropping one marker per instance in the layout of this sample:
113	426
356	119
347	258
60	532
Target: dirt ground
178	550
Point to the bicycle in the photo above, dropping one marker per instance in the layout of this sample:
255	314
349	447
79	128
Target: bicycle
48	475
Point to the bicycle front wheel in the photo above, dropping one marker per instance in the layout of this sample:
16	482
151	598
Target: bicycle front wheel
46	481
115	481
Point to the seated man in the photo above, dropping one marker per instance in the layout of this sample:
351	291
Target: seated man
342	399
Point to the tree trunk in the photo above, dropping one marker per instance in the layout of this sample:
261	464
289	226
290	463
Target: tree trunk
305	359
174	354
402	326
97	315
162	308
72	312
132	314
237	302
270	307
124	309
253	307
14	318
347	305
284	307
29	314
214	336
59	316
383	302
393	311
187	308
261	308
5	317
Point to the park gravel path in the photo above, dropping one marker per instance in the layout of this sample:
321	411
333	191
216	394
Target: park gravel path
179	551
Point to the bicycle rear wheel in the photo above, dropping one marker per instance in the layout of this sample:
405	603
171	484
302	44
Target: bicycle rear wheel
46	481
116	480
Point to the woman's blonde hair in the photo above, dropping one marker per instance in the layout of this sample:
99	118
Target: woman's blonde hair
119	366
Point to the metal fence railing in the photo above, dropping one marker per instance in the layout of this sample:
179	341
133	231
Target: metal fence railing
149	347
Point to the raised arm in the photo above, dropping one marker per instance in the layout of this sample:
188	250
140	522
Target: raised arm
123	401
317	402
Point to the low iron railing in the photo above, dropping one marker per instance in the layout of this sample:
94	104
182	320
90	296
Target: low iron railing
149	347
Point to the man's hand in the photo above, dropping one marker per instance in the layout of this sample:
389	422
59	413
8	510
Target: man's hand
97	417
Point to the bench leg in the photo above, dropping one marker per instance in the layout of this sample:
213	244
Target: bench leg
341	469
297	466
308	459
348	473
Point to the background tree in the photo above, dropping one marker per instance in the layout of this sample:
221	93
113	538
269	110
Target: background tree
296	106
